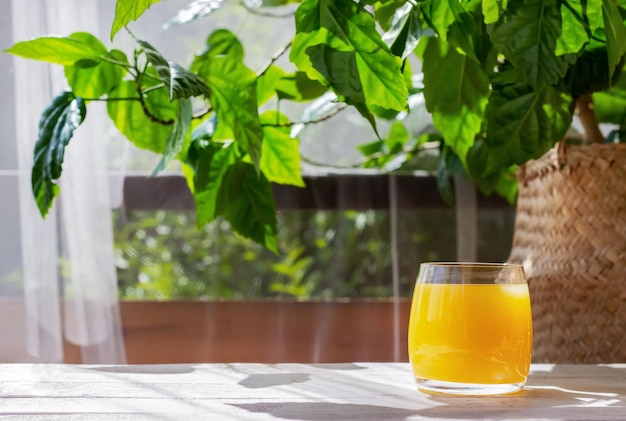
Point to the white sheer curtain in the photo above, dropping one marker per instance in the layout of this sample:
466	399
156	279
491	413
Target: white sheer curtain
58	278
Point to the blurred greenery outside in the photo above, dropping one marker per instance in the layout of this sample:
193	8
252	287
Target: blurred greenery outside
162	255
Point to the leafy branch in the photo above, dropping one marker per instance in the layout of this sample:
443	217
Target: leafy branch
499	80
139	78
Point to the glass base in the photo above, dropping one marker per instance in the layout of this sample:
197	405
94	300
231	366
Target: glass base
467	389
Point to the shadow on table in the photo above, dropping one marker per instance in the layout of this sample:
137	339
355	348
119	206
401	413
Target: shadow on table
263	380
314	411
258	381
556	393
521	406
528	405
144	369
339	366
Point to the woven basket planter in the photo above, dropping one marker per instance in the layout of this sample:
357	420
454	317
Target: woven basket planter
570	234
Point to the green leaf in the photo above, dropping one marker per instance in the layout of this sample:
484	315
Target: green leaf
523	125
233	96
527	35
506	184
181	82
456	91
615	32
64	51
266	84
441	14
372	148
477	46
364	110
492	10
397	137
503	182
384	12
453	23
176	139
448	166
298	87
86	63
194	10
280	160
100	79
220	42
590	73
340	70
381	152
127	11
56	127
405	31
132	122
245	199
327	31
580	19
610	106
209	162
89	40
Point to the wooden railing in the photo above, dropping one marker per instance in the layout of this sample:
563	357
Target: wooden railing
267	331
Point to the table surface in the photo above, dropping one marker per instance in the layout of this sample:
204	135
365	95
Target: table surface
355	391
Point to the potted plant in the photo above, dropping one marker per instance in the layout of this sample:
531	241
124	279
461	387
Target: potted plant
501	79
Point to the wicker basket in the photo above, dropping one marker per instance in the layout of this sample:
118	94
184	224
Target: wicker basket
570	234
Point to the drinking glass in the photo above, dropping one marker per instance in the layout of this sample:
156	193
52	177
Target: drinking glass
470	328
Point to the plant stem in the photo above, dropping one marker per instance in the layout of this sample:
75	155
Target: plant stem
153	87
149	76
144	106
273	59
268	14
373	157
306	123
131	98
587	116
117	62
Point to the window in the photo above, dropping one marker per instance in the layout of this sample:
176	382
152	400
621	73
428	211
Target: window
351	233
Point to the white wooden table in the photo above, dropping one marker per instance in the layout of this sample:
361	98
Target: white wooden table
358	391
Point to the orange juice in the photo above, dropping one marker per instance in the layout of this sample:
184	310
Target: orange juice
470	333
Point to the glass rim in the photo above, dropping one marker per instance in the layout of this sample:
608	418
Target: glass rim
471	273
472	264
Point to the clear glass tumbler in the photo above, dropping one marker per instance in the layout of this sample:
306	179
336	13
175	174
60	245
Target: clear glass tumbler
470	328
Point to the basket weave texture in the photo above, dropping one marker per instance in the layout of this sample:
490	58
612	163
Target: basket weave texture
570	235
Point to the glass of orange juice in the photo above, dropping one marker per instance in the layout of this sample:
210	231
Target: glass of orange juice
470	328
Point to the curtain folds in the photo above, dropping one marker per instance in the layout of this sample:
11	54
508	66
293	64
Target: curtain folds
68	279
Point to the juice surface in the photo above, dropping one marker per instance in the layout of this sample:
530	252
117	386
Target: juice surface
471	333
